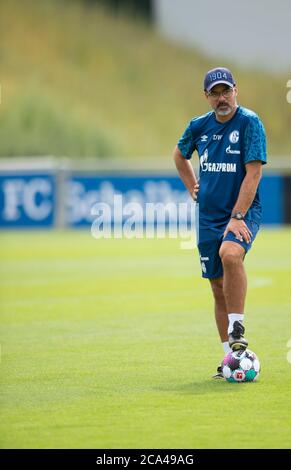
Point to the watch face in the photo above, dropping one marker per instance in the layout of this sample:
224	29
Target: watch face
238	216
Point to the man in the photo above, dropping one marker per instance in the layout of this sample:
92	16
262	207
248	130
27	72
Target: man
231	144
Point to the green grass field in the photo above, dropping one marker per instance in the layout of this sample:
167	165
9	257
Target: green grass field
112	344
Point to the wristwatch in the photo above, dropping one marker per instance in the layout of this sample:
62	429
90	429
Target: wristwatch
238	216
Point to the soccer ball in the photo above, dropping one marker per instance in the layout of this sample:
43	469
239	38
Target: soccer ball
241	366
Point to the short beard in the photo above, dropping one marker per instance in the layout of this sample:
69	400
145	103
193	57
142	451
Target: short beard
224	113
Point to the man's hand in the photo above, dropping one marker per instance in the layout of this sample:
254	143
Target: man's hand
240	229
194	192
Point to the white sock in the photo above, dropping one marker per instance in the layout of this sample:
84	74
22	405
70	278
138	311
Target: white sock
232	317
226	347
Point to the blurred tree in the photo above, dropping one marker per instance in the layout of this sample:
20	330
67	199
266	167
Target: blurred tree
137	8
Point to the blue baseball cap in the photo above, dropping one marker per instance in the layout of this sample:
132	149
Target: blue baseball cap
216	76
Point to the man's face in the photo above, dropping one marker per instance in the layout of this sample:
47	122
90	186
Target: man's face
222	99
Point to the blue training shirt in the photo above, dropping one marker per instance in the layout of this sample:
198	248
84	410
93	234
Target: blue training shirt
223	150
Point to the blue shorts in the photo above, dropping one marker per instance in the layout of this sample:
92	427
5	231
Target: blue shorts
209	244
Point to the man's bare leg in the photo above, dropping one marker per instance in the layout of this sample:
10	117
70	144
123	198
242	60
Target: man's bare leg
235	279
221	318
234	289
220	309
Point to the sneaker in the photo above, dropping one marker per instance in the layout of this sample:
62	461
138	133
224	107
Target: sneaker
218	374
236	338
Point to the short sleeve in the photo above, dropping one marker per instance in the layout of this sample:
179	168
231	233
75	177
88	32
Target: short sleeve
255	141
186	143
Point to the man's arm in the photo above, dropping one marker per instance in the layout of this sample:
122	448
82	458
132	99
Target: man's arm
249	187
186	172
244	201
